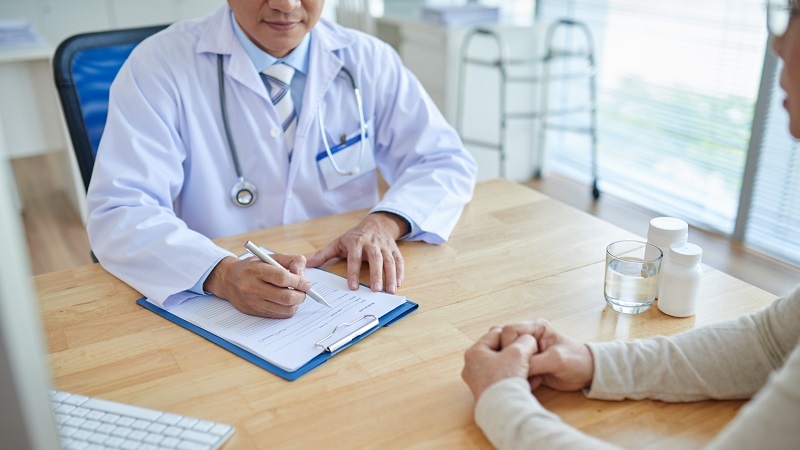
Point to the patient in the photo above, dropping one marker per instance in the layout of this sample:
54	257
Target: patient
755	356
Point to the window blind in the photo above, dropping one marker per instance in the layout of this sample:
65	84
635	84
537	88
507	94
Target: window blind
772	222
677	84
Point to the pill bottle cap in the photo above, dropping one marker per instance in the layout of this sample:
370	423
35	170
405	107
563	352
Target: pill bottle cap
668	228
685	254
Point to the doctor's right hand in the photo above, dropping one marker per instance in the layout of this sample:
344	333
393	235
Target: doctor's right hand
259	289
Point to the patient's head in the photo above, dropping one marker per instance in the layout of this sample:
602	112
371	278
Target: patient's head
782	18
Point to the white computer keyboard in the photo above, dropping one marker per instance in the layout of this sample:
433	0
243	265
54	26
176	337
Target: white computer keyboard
92	423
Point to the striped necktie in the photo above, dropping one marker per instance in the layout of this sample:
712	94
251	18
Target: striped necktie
279	77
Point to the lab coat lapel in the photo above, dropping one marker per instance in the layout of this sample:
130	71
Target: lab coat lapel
323	68
219	39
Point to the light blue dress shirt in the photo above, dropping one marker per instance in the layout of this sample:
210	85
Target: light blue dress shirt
296	59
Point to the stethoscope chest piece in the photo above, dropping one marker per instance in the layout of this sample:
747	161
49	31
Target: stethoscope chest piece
243	193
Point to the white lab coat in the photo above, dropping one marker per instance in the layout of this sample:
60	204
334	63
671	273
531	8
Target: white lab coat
160	189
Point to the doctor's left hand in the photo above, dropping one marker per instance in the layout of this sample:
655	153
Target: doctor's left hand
259	289
373	240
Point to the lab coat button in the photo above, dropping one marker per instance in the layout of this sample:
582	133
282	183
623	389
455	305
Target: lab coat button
275	132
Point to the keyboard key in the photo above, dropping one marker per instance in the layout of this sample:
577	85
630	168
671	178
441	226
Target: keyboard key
61	418
67	431
75	421
90	425
170	419
140	424
220	429
75	399
114	442
81	435
106	428
156	428
98	438
153	439
109	418
130	445
173	431
201	438
93	415
187	422
58	396
203	426
137	435
125	421
65	409
77	445
170	442
189	445
80	412
121	431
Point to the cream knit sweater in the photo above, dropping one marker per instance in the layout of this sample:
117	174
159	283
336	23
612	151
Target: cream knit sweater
755	356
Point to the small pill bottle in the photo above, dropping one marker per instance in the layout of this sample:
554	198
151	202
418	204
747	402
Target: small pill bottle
680	280
663	232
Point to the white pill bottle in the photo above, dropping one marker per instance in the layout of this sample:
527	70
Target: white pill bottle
663	233
681	274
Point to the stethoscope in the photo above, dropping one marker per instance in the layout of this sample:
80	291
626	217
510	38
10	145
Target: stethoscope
243	192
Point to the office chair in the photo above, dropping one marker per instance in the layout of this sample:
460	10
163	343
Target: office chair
84	66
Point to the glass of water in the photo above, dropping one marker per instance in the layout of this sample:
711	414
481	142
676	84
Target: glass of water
631	279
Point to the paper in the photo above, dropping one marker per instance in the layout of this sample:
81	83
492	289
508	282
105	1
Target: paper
290	343
18	33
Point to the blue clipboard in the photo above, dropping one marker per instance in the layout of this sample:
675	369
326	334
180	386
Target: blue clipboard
384	321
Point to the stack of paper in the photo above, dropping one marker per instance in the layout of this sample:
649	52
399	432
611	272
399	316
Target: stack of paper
18	33
471	13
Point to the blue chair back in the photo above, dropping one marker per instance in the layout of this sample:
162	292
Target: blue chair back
84	66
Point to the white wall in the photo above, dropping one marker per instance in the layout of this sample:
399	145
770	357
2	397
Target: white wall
31	121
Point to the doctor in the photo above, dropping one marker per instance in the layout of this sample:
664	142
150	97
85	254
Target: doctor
200	144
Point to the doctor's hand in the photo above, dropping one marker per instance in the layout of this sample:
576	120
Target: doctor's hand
373	240
561	363
259	289
488	362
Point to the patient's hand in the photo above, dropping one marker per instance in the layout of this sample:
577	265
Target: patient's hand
561	363
486	363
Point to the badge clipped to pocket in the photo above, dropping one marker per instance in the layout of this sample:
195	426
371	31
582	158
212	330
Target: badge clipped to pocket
347	151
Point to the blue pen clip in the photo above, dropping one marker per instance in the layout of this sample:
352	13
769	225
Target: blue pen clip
342	145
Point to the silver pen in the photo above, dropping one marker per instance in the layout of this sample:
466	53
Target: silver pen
262	255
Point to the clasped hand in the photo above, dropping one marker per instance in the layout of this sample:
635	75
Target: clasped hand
531	350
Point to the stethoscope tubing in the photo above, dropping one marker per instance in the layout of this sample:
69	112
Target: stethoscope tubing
244	193
363	127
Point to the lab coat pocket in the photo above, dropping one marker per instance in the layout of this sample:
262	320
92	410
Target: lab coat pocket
347	155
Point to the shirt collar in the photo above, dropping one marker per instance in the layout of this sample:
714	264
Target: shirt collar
297	58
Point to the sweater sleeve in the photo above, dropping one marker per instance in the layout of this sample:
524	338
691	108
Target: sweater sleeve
728	360
771	419
512	418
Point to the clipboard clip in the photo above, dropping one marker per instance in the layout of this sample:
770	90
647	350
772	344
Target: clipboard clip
373	322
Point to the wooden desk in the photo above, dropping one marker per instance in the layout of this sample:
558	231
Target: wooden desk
515	255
